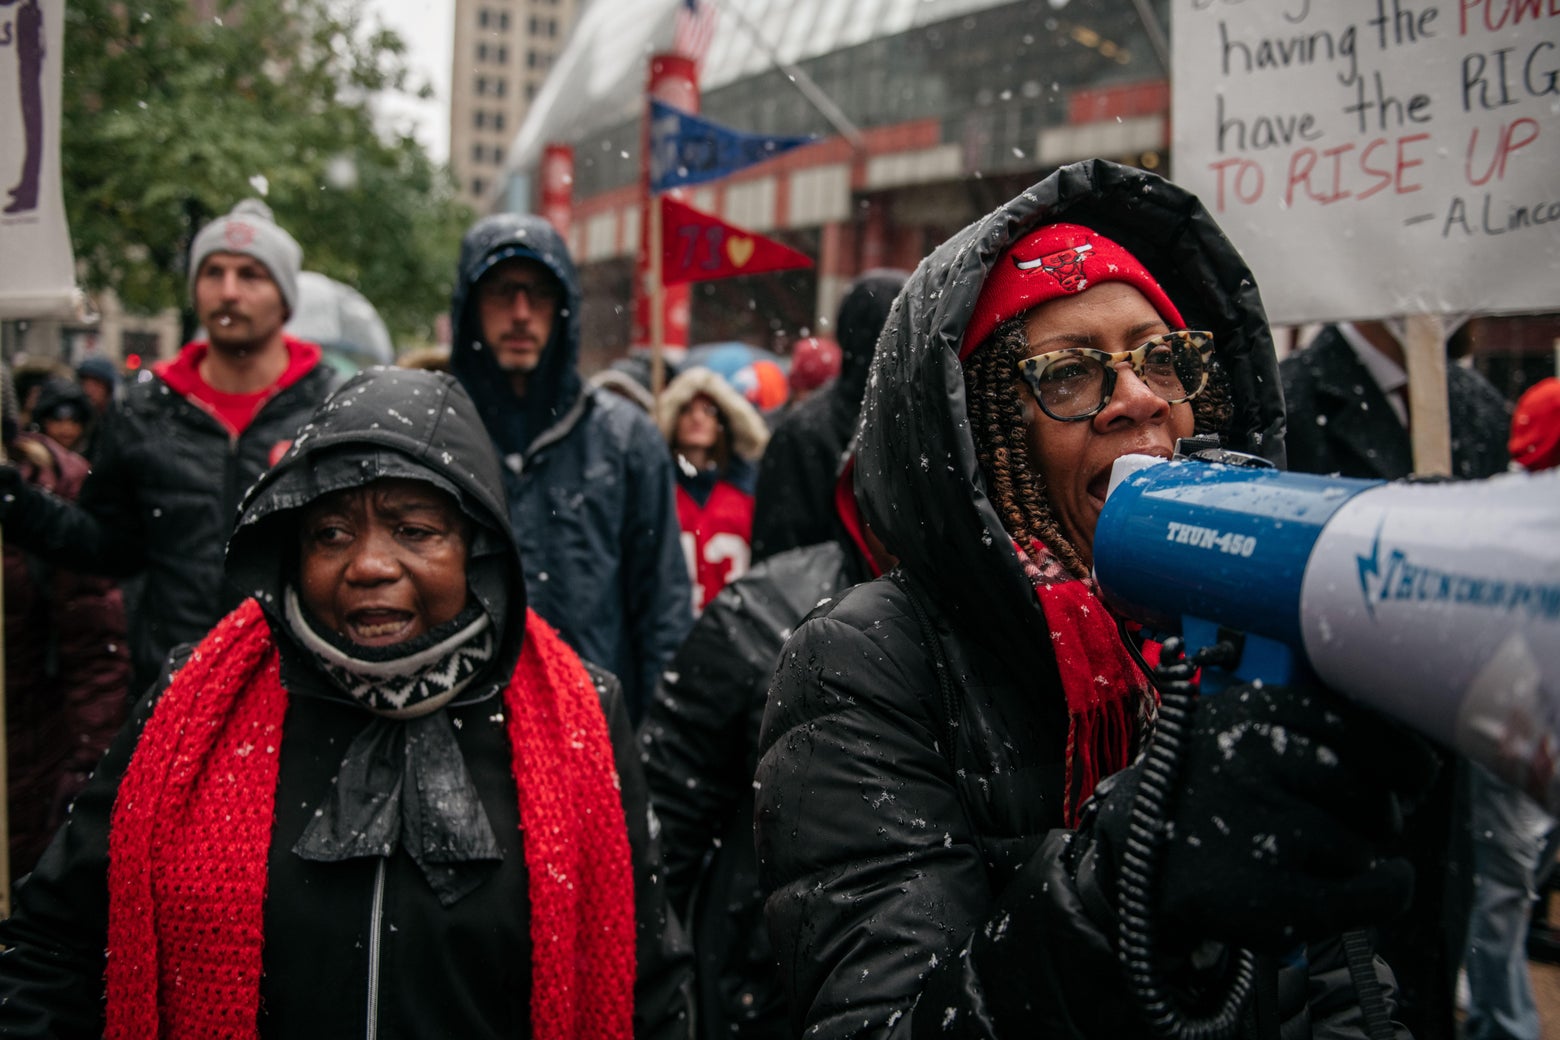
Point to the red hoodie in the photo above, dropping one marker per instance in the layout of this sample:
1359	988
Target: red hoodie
234	411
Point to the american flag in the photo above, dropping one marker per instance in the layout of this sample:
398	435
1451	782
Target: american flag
695	29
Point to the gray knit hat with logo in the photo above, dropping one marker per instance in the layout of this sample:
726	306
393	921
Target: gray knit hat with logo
251	230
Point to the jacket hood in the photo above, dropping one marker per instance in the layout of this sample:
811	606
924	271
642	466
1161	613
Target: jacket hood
862	314
918	477
555	385
63	393
99	368
386	422
749	433
624	385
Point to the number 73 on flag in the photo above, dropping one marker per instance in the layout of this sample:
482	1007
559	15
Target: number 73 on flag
698	247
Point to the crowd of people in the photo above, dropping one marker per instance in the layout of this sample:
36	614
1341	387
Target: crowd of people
479	697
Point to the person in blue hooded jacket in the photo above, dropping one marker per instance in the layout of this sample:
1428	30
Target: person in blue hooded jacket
590	486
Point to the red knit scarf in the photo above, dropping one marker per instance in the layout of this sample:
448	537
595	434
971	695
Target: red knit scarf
1108	696
191	832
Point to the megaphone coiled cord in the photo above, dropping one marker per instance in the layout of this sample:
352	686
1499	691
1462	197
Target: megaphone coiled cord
1147	832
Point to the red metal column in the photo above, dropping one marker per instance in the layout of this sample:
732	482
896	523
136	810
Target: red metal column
674	80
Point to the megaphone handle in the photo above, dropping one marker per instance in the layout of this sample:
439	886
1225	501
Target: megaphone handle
1138	881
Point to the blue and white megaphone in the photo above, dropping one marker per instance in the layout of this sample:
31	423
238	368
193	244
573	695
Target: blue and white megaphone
1437	604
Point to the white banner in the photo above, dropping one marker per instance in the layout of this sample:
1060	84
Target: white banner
37	271
1377	157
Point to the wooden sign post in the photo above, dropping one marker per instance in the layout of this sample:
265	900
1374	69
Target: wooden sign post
1424	350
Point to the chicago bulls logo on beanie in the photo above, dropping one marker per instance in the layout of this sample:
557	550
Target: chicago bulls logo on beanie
250	230
1051	262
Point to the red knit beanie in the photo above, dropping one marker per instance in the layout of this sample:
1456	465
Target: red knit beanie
1535	427
1053	261
814	361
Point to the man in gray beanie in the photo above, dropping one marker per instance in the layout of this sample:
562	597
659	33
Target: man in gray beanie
250	230
180	449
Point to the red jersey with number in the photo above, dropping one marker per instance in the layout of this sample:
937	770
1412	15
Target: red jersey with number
717	538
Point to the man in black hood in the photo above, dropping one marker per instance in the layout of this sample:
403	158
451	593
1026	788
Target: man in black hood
794	502
586	474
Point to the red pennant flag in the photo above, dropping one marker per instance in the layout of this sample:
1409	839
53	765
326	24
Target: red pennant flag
696	247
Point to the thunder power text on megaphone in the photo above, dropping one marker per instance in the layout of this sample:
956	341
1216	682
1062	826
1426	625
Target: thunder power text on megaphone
1437	604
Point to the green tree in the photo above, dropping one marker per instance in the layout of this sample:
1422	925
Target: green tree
171	115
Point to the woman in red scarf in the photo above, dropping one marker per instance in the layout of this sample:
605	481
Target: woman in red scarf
379	798
947	753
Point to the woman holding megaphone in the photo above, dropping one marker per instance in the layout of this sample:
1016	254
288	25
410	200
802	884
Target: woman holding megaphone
947	760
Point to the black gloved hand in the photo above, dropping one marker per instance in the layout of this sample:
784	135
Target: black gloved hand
1284	822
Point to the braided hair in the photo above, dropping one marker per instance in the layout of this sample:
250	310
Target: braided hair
995	399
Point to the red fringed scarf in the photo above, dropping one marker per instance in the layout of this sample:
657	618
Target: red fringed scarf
191	830
1108	696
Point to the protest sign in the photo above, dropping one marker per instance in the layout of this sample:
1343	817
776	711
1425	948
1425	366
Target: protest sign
37	271
1377	157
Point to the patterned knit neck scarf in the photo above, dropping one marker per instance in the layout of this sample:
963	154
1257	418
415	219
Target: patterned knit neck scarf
406	680
1108	698
191	833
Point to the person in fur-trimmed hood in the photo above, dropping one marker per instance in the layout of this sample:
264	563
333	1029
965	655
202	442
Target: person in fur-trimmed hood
380	798
716	437
947	763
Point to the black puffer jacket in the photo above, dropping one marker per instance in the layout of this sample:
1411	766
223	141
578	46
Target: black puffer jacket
700	740
443	971
910	831
164	491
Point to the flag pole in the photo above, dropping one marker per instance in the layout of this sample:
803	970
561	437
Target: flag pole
657	294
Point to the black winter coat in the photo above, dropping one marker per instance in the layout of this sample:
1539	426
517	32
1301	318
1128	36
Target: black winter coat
443	971
910	785
794	501
700	740
162	498
1340	421
471	961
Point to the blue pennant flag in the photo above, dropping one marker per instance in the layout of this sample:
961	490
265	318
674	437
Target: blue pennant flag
685	149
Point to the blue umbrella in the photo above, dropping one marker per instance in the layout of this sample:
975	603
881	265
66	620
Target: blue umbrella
755	373
728	359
